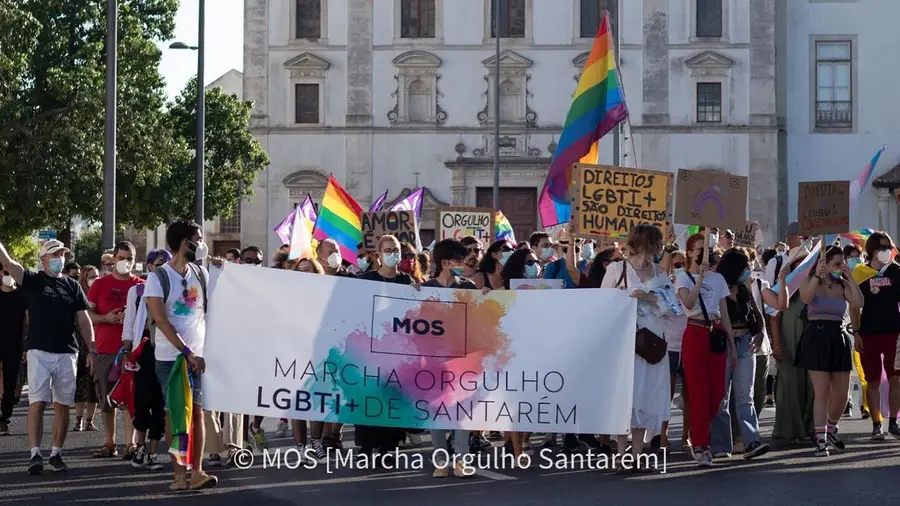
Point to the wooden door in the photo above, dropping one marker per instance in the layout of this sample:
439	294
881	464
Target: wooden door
220	247
519	205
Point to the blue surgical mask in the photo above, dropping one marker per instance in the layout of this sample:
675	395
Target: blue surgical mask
853	262
362	263
744	276
56	266
458	271
713	240
547	253
657	258
587	251
532	271
504	257
391	260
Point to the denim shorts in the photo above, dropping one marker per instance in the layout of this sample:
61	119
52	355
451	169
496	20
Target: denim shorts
164	370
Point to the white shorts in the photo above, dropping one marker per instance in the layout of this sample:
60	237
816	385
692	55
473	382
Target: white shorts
52	373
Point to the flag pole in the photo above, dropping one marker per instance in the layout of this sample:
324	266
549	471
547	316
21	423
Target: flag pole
615	37
616	131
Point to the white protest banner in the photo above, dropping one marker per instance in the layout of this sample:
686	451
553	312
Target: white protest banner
313	347
535	284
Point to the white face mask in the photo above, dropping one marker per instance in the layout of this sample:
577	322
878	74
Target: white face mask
202	251
334	260
123	267
885	257
713	240
8	281
587	251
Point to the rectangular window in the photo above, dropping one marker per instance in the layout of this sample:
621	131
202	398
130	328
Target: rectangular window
591	15
306	101
512	19
231	225
834	87
308	19
417	19
709	18
709	102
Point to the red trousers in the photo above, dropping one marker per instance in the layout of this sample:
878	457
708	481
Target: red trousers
704	373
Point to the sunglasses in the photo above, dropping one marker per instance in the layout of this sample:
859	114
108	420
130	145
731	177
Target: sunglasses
531	262
184	290
109	264
475	250
253	261
506	249
885	247
678	265
409	256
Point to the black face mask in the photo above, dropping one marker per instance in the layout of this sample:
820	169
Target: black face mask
191	254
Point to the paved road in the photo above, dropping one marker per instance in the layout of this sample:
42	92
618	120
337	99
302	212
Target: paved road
865	475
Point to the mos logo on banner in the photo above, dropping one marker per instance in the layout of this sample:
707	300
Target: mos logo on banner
419	328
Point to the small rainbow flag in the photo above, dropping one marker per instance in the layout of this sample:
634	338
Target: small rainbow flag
339	219
503	228
180	403
598	106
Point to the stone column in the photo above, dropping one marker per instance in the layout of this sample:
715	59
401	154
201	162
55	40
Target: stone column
359	145
884	209
255	212
655	109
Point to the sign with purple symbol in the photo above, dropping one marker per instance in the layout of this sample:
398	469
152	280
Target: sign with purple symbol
711	199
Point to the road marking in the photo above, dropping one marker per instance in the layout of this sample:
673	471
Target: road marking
494	475
427	487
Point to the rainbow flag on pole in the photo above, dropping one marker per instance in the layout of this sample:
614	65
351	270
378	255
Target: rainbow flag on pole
339	219
181	408
503	228
598	106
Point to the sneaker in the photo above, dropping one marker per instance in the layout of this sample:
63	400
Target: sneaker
755	449
91	427
549	440
461	471
215	460
821	448
414	439
4	428
570	444
835	440
319	451
36	464
229	459
259	437
590	440
140	457
129	452
57	465
282	429
848	411
441	472
737	447
770	401
894	430
721	455
153	463
78	425
300	448
877	432
703	458
865	415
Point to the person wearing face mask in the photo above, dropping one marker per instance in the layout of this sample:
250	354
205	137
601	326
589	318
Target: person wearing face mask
107	264
877	326
409	263
108	295
73	270
366	260
852	255
56	305
794	240
490	271
329	256
542	247
233	256
558	268
176	296
587	256
475	250
85	391
13	308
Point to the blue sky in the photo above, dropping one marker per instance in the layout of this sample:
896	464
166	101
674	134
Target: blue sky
224	43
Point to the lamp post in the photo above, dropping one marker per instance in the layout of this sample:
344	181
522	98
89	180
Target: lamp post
200	189
496	194
109	147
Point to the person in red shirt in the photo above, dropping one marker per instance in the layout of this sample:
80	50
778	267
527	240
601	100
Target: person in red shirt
108	295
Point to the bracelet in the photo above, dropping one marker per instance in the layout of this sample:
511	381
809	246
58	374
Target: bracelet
186	351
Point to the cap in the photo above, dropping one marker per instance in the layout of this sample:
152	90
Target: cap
52	247
793	229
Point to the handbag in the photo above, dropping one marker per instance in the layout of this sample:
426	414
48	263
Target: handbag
647	344
718	338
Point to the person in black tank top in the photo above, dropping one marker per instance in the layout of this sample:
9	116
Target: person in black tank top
490	270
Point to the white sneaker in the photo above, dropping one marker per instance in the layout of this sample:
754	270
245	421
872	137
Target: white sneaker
704	458
282	429
461	471
441	472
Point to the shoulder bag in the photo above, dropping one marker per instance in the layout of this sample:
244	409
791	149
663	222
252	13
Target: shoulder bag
718	338
647	344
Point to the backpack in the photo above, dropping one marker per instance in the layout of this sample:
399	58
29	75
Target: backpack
167	286
779	261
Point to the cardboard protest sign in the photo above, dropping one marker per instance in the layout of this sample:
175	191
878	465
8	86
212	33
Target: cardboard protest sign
711	199
458	222
401	224
824	208
535	284
610	201
748	237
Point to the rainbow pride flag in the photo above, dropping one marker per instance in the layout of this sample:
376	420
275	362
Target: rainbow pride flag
503	228
339	219
180	403
598	106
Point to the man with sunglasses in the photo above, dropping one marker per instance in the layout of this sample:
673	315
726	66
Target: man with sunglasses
13	307
109	295
475	252
251	255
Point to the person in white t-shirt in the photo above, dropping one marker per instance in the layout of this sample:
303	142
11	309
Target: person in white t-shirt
704	367
181	330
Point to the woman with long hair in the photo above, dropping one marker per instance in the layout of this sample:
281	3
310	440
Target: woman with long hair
673	263
703	294
826	350
409	263
85	394
489	273
640	277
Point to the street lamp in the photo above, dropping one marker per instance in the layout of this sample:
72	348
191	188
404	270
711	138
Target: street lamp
200	189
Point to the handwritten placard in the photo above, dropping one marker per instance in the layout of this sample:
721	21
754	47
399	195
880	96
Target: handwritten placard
458	222
711	199
748	237
535	284
401	224
610	201
824	208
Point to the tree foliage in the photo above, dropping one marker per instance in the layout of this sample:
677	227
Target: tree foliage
23	249
52	96
88	248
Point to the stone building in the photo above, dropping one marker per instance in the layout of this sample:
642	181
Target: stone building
394	94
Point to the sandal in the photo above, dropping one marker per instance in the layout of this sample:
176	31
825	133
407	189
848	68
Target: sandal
91	427
107	451
77	427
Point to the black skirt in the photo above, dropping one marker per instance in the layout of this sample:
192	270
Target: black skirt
825	346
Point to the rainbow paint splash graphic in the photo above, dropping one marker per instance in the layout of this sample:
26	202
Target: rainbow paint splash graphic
406	382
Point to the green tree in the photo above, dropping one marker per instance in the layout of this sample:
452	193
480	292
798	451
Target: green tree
88	248
24	249
234	158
